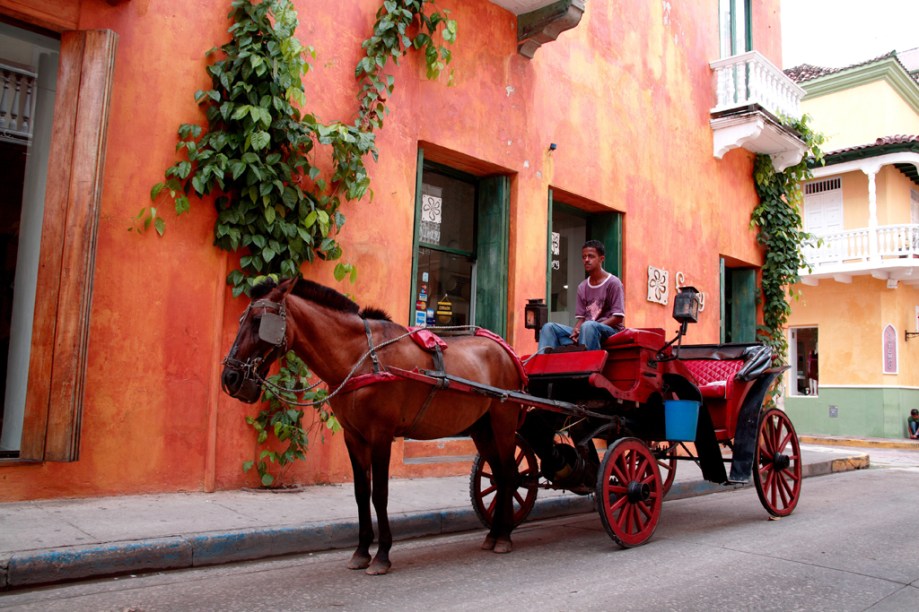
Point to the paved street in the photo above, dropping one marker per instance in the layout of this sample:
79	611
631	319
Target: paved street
846	547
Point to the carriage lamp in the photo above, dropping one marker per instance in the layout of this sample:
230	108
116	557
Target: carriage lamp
536	314
686	305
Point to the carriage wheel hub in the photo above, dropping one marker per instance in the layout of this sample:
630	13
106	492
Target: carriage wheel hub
638	492
780	461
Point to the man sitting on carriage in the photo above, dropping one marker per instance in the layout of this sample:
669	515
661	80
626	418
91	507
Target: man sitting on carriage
600	310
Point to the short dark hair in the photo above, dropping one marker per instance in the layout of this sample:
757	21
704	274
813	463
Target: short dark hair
595	244
914	411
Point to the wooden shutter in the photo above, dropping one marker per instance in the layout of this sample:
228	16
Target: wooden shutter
492	254
607	228
51	429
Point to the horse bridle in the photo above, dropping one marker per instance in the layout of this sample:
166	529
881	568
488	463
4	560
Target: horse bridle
272	332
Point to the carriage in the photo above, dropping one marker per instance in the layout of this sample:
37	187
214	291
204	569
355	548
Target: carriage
652	404
613	422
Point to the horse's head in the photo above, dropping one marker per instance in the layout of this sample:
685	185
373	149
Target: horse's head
261	339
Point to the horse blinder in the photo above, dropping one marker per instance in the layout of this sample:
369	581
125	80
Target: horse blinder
272	329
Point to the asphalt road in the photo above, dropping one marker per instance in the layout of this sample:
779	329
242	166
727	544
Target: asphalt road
851	544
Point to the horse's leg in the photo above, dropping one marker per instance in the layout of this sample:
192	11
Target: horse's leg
359	453
497	448
381	452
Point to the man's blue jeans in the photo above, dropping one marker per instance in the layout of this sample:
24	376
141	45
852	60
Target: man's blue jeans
592	335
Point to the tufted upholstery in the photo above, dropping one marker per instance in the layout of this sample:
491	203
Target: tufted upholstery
714	377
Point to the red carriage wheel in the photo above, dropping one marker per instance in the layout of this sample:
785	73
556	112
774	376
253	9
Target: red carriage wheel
665	453
777	464
483	489
629	492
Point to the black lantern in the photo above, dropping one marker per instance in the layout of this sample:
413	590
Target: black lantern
536	314
686	305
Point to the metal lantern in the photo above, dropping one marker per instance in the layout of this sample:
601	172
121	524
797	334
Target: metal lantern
686	305
536	314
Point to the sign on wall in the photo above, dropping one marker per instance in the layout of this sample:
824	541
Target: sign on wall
890	349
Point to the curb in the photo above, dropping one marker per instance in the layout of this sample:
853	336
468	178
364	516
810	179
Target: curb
859	442
72	563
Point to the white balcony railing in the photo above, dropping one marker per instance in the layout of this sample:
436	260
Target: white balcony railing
17	104
864	246
750	78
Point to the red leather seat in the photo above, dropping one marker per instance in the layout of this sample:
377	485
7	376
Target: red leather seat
714	377
648	338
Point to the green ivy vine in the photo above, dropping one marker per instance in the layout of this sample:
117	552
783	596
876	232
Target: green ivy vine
256	157
257	152
282	417
780	230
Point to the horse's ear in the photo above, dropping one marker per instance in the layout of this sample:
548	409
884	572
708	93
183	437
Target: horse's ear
287	286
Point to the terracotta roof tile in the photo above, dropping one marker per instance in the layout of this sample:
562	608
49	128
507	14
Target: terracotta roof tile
900	139
809	72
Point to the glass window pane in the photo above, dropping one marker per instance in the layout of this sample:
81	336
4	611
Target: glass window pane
447	212
445	288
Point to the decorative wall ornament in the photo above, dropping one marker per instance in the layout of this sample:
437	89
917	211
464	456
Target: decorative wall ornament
658	285
431	217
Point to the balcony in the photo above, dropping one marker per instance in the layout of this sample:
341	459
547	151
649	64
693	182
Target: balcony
887	252
751	94
541	21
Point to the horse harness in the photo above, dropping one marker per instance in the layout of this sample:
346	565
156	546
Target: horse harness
437	357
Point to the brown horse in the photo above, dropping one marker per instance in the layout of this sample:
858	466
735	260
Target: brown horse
359	350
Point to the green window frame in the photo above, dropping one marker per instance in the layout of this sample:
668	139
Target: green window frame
491	238
603	226
735	21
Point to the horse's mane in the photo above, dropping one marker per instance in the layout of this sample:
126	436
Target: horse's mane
326	296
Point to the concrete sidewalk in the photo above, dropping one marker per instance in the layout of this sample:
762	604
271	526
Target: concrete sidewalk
59	540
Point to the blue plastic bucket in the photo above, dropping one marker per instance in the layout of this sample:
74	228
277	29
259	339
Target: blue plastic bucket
680	419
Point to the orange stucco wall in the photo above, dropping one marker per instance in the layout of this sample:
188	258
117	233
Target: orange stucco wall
625	96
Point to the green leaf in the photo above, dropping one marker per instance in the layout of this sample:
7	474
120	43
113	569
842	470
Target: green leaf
260	140
160	225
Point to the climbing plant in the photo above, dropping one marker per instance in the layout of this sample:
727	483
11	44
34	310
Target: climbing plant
257	154
257	157
779	229
282	417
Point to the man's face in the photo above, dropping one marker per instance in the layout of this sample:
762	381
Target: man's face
592	259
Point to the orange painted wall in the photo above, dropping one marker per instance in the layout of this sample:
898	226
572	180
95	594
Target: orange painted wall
625	96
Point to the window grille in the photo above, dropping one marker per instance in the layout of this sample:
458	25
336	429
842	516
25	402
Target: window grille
822	186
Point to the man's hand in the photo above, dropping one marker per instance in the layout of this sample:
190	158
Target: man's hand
575	334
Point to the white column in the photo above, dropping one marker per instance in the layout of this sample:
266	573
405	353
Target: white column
873	250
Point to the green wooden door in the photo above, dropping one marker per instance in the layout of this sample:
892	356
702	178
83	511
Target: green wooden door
492	233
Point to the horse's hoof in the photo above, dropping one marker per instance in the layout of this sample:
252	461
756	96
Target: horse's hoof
378	568
503	546
359	561
489	543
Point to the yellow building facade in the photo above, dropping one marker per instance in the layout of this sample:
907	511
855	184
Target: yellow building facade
853	339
